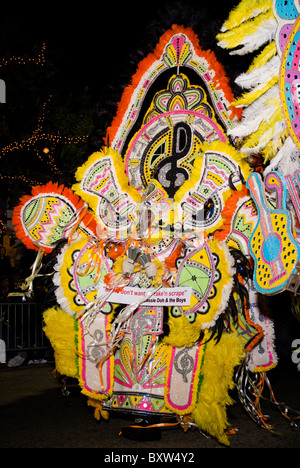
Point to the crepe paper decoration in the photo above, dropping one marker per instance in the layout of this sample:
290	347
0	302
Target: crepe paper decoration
139	376
262	357
182	379
171	202
155	214
93	355
200	201
102	184
177	122
80	276
289	83
286	13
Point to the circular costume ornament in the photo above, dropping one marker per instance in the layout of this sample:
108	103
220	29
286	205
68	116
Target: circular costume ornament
81	269
208	271
48	216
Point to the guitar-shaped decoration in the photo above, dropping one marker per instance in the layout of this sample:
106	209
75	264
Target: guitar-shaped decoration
272	244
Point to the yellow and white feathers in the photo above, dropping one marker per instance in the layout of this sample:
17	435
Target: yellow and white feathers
251	26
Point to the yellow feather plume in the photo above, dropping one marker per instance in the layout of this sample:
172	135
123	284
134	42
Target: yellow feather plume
60	330
248	98
266	54
265	138
233	38
271	149
245	10
182	332
218	368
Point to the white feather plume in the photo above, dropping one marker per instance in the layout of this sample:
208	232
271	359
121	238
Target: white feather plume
255	114
259	76
287	160
264	34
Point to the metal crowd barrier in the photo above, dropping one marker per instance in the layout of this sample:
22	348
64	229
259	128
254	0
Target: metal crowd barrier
21	327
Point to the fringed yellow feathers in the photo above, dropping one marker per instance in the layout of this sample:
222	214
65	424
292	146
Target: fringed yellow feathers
60	330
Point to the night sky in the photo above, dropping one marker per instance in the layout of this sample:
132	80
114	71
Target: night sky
93	47
93	44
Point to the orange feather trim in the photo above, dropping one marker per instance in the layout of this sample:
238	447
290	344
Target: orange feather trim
170	261
220	79
228	212
51	189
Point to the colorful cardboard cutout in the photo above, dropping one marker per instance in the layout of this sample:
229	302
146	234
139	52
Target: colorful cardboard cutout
272	244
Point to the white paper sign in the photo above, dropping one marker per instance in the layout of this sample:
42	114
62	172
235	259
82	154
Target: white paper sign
163	297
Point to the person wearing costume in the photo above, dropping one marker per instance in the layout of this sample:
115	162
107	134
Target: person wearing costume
168	236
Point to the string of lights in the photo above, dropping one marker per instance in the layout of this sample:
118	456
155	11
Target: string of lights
40	143
21	178
39	60
33	143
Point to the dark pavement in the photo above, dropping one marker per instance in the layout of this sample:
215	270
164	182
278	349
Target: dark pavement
34	413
